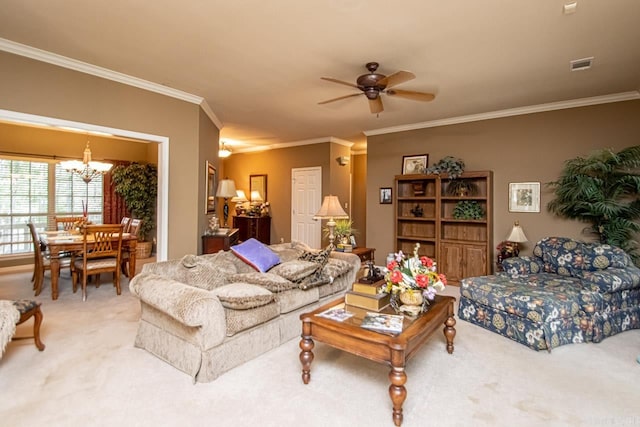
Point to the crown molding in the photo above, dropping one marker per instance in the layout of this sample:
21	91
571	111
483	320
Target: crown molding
94	70
294	144
531	109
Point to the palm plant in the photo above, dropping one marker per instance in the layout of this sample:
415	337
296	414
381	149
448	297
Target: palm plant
603	190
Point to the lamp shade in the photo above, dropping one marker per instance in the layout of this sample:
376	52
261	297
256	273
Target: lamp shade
517	234
330	208
226	188
240	197
256	197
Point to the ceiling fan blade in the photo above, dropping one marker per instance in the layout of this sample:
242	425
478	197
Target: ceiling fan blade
330	79
410	94
375	105
340	97
396	78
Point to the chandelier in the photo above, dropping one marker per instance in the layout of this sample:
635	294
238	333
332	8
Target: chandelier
87	169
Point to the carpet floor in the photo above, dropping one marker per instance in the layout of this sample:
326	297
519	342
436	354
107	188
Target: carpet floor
91	375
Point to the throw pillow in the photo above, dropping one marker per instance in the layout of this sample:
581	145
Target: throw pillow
256	254
319	257
295	270
243	296
269	281
194	271
335	268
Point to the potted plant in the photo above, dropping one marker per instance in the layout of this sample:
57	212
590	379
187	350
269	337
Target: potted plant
342	231
468	209
137	184
462	188
603	190
448	164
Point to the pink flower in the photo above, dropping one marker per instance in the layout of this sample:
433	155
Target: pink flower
426	261
392	265
422	280
443	278
396	276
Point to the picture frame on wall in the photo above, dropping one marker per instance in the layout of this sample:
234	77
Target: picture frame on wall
415	164
210	190
524	197
385	195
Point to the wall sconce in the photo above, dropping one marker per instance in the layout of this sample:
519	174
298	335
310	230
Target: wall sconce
343	160
224	151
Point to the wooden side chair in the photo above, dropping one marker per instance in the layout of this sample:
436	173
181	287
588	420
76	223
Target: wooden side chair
134	229
29	309
66	223
41	261
101	253
126	223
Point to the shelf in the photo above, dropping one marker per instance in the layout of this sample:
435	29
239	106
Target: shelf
417	238
415	218
458	198
416	198
471	221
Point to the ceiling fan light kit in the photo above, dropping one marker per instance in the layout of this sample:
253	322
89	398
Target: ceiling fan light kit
374	84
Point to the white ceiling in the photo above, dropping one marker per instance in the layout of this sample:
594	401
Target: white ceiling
258	64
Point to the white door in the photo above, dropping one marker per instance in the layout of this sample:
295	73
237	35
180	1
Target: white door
306	198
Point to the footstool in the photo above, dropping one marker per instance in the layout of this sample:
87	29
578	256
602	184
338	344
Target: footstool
541	311
29	309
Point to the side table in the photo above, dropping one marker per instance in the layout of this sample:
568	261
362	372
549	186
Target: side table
218	242
365	254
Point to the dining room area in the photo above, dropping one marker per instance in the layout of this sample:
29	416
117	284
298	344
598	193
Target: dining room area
63	227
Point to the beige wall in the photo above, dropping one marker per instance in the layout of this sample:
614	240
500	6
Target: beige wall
529	148
359	198
32	87
277	165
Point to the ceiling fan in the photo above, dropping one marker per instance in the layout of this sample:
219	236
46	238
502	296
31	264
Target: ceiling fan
373	84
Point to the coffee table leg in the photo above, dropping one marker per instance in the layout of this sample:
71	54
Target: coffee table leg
306	355
397	391
449	330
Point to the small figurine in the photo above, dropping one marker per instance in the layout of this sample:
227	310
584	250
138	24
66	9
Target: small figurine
417	211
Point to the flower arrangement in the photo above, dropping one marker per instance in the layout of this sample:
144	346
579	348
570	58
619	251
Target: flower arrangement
414	281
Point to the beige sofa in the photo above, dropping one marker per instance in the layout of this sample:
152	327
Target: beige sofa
207	314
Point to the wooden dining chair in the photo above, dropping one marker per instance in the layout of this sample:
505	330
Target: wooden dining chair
101	253
126	223
134	229
67	223
41	261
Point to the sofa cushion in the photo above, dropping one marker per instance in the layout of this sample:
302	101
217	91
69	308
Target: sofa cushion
239	320
195	271
256	254
243	296
318	257
287	251
335	268
611	279
294	270
269	281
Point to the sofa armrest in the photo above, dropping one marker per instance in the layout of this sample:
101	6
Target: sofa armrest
352	259
610	279
188	305
522	266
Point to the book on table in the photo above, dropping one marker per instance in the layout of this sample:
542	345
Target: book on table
371	302
338	313
381	322
369	288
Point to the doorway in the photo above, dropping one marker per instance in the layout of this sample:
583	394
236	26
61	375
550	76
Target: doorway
306	198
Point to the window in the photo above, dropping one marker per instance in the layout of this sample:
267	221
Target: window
37	191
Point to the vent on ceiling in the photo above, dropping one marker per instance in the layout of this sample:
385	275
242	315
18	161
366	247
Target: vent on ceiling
581	64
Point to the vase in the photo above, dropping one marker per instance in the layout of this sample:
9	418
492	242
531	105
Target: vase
411	297
409	302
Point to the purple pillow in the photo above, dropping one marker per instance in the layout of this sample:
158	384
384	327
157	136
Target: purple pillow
256	254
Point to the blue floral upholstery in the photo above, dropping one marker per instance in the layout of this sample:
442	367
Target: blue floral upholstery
568	292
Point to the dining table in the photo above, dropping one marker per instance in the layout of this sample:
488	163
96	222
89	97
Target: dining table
61	242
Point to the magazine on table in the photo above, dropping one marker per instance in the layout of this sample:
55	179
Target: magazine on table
381	322
336	313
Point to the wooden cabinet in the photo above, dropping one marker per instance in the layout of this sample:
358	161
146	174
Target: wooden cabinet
426	214
218	242
365	254
258	227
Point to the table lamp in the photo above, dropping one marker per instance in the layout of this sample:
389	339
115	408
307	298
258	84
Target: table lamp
226	190
516	236
331	210
240	199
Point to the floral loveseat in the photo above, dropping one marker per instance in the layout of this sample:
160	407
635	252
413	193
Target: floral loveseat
207	314
568	292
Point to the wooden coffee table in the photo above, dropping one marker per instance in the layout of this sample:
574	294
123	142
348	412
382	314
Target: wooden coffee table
393	350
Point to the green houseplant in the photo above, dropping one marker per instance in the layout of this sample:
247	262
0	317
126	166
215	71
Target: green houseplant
468	209
602	190
448	164
343	229
137	183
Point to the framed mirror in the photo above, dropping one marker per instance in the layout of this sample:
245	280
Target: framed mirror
210	190
258	183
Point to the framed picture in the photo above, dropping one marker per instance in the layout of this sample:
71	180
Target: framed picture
414	164
352	240
524	197
210	191
385	195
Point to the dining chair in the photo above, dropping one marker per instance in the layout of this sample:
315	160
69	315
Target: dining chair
41	261
134	229
101	253
126	223
67	223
